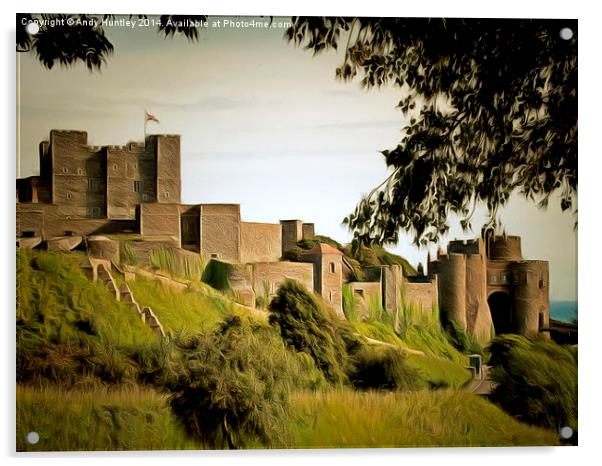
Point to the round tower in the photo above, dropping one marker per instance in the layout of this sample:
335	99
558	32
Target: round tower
452	287
505	248
531	308
478	317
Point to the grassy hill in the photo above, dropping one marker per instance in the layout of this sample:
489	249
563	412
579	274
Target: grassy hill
91	366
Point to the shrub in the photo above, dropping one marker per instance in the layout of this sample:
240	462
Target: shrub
230	388
216	275
383	367
461	339
536	380
309	328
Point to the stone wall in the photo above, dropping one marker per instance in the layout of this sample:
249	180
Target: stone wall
452	287
505	248
275	273
364	293
48	221
78	180
190	227
101	247
292	232
220	231
308	230
391	288
143	248
109	181
531	299
332	281
131	175
478	317
168	167
30	220
421	294
260	242
160	220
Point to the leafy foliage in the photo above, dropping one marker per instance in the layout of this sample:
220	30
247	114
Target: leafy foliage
383	367
231	387
490	106
536	380
68	39
309	328
216	275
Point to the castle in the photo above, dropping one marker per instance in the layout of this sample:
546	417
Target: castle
84	194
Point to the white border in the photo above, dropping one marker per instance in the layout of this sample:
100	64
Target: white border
589	244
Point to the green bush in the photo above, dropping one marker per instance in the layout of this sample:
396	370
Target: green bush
230	388
216	275
309	327
383	367
536	380
461	339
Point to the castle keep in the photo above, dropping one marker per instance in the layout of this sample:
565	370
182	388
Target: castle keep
84	193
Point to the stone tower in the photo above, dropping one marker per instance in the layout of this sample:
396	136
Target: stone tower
328	274
487	288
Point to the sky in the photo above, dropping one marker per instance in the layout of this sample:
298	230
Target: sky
263	124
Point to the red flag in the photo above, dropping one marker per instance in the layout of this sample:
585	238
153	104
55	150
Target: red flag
150	117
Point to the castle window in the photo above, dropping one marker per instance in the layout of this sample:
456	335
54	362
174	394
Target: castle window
542	283
332	267
65	170
138	186
147	197
493	278
506	278
330	296
359	292
166	194
80	171
95	212
114	166
69	196
93	185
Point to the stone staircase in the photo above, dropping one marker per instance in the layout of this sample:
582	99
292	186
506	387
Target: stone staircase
101	272
146	314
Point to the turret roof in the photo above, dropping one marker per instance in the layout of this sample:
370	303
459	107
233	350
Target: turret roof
323	248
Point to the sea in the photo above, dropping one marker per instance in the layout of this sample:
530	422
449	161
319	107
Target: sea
565	311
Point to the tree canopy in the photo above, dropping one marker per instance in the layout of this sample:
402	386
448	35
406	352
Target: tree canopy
69	39
490	109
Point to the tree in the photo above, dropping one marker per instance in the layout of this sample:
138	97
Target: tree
68	39
536	380
490	108
309	328
230	388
